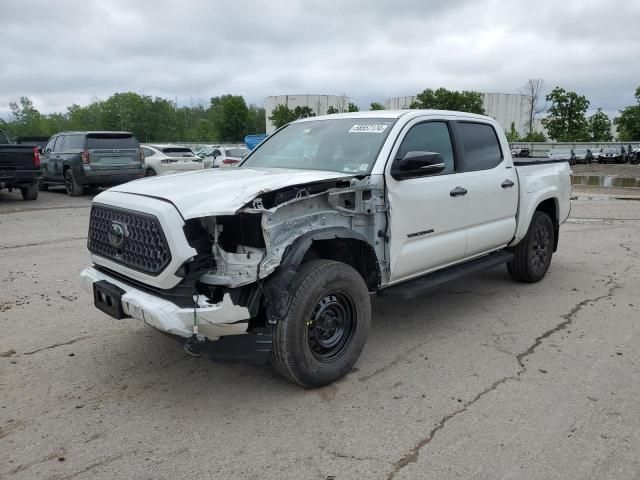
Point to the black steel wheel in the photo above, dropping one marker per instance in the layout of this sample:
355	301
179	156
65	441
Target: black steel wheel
331	327
532	256
326	325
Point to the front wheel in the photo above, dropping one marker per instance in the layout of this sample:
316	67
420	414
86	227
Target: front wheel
532	256
326	325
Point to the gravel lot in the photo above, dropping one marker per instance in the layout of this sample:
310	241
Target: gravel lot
485	378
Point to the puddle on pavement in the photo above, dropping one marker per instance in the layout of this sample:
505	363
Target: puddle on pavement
606	181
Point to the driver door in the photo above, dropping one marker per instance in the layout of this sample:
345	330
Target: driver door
428	213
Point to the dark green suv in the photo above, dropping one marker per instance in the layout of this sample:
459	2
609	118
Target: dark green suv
80	160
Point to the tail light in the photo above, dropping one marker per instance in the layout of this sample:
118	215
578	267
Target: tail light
36	156
230	161
141	156
84	157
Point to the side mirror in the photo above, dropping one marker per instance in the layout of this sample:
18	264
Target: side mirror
417	164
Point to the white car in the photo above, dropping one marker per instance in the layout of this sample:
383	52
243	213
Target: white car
279	256
228	156
165	159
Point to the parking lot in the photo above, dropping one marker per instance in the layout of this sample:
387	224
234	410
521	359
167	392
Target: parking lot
484	378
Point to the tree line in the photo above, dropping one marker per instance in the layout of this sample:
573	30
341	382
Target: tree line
227	118
566	119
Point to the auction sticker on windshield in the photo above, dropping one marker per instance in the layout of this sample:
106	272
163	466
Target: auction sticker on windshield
368	128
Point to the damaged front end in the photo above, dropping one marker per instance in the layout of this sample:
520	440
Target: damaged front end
252	256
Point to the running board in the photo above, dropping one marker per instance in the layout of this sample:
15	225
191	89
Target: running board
421	285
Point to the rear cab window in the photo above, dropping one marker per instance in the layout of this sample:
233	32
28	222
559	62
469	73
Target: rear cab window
237	152
479	146
111	141
178	152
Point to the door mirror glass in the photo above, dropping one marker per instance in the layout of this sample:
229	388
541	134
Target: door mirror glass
417	164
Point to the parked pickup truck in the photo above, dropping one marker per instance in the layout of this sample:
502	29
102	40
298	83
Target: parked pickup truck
280	255
19	167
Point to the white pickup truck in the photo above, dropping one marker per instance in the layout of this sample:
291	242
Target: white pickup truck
279	256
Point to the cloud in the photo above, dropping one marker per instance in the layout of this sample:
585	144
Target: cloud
72	51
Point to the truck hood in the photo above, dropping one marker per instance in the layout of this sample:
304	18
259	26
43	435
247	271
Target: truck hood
220	191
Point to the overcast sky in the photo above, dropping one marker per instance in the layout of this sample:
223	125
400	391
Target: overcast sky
72	51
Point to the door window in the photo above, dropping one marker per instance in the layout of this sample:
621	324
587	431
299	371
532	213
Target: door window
50	144
429	137
480	146
148	152
73	142
57	147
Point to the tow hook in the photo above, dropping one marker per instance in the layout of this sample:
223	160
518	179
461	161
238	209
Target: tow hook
195	343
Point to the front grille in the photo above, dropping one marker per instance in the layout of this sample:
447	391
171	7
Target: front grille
138	242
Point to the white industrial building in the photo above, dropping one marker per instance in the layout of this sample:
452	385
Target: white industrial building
318	103
506	108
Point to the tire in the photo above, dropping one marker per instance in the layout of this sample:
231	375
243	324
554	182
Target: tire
532	256
326	325
43	187
70	184
150	172
30	192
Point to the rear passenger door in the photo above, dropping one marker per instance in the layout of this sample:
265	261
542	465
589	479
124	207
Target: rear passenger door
492	186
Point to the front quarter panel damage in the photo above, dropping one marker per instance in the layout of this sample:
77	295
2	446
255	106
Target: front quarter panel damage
288	223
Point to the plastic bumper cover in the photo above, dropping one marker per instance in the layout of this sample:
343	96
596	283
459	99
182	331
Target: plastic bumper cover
214	321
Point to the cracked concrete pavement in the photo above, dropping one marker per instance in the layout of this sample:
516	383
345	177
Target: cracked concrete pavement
483	378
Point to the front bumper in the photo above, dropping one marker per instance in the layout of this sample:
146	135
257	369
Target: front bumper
214	321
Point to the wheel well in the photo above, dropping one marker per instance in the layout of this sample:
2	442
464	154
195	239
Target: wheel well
550	207
356	253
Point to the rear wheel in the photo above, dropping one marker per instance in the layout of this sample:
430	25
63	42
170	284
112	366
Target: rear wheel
532	256
150	172
30	192
325	328
71	186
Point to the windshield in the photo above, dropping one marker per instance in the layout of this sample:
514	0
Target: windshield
610	150
348	145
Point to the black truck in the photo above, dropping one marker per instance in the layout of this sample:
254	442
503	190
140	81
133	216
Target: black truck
19	167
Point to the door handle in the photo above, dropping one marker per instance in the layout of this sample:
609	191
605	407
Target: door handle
507	184
458	192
